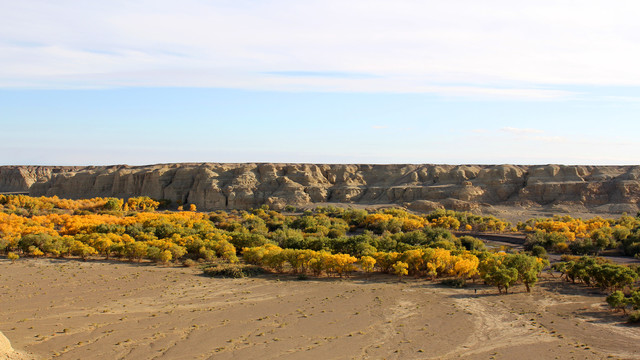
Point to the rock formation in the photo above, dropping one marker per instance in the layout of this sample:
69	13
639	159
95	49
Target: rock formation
7	352
213	186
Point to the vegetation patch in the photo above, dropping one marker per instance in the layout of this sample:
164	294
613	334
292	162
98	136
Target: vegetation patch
229	270
454	283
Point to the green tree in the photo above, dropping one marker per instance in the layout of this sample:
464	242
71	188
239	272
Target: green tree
634	300
113	204
617	301
502	277
135	250
528	268
153	253
494	272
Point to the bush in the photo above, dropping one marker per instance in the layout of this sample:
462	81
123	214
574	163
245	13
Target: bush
634	317
539	251
454	282
471	243
232	270
243	240
189	263
12	256
113	204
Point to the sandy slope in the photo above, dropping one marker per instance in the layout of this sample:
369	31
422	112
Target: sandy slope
70	309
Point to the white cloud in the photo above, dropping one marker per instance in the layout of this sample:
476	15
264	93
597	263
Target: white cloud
379	127
489	49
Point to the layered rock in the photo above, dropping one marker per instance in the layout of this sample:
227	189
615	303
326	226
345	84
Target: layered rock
213	186
8	353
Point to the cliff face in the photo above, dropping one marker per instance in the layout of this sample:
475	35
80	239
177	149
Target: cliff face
20	178
422	187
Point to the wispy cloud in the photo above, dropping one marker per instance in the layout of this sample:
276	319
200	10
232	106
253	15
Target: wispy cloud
371	45
379	127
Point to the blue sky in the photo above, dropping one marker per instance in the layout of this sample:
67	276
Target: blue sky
139	82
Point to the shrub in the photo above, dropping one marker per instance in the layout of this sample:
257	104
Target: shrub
12	256
539	251
232	270
634	317
113	204
471	243
189	263
454	282
400	269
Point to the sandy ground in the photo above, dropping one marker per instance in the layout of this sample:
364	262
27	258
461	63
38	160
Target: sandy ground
512	213
70	309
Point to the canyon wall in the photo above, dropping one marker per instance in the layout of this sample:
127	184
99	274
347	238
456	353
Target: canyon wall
212	186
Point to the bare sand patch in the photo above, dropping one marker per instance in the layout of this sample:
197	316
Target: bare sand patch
70	309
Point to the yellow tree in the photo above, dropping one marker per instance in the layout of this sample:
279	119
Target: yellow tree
465	266
442	260
82	250
35	251
400	269
102	244
165	256
432	272
319	262
367	263
385	260
414	259
342	263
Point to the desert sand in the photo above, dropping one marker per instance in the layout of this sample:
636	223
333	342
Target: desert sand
70	309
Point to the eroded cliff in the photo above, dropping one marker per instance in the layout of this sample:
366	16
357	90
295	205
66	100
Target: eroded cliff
421	187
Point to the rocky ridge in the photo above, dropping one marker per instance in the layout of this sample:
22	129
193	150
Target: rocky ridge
212	186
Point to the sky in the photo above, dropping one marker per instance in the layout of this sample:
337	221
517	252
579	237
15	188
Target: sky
361	81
